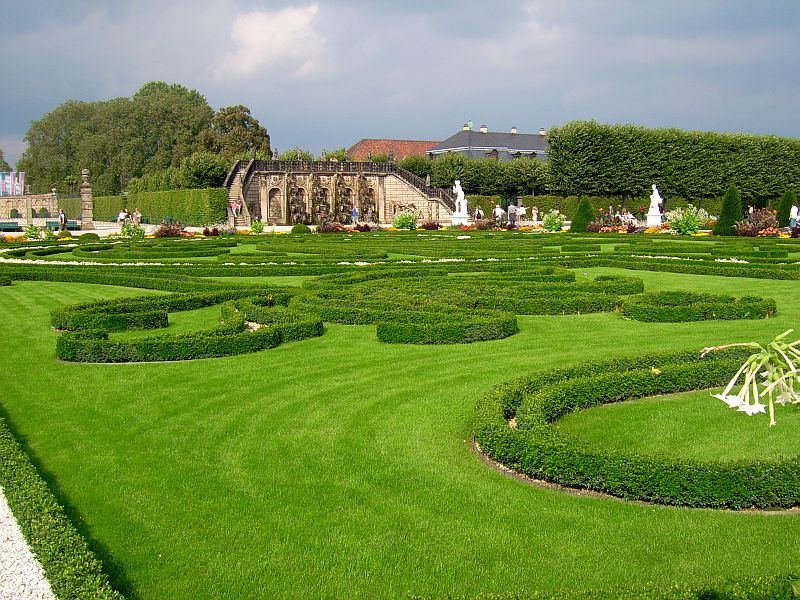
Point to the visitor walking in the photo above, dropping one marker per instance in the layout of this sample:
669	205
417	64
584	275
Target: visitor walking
137	217
62	220
355	215
793	215
512	215
535	215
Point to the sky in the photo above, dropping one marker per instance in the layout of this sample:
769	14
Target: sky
322	74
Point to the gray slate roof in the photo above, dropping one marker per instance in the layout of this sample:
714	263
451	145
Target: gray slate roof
525	142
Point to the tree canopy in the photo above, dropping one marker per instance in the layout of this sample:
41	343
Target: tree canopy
157	129
233	131
4	166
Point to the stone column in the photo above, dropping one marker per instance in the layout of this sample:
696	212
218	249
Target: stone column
87	202
381	198
28	210
263	198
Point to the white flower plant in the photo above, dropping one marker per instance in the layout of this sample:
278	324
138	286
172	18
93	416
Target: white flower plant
777	365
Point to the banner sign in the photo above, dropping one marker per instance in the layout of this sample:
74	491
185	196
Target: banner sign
12	183
20	183
3	191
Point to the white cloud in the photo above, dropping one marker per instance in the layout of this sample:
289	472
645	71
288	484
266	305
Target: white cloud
266	39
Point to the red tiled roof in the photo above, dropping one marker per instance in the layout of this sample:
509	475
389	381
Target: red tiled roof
400	148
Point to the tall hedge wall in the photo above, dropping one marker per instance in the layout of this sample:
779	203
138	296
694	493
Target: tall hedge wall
192	207
614	160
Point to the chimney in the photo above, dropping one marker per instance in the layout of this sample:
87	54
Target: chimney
484	129
465	127
514	130
542	131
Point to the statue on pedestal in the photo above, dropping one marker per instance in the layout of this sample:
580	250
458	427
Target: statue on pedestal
654	213
461	214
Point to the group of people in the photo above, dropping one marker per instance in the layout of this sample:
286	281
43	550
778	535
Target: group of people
126	218
623	216
513	213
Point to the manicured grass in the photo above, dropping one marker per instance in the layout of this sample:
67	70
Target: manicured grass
179	322
340	466
692	425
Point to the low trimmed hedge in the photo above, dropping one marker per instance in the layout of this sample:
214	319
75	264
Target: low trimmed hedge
541	451
5	280
677	307
71	568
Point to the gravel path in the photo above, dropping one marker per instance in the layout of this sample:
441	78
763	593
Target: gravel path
21	576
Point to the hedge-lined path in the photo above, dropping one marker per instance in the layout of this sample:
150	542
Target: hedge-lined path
21	575
338	467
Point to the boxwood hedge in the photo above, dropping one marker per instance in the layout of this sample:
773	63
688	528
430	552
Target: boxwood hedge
540	450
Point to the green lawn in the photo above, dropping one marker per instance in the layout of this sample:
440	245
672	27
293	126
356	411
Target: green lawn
340	466
692	425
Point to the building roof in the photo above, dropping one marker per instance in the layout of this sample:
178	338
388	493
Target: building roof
513	142
363	149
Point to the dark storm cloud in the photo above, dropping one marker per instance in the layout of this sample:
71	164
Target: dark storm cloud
324	74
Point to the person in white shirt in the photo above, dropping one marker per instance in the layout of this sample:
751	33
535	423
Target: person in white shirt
498	213
793	216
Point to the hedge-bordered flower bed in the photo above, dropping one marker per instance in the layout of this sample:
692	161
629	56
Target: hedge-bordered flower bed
538	449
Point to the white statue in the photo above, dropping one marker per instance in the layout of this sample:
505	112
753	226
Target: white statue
654	214
460	216
461	203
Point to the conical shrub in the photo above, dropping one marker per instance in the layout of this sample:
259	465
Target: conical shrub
584	215
731	213
785	207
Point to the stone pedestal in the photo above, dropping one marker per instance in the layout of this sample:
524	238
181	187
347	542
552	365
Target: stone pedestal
654	219
87	202
459	219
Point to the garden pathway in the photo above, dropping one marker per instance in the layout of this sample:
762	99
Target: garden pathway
21	575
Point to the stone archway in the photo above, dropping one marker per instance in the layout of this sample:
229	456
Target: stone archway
369	206
322	204
275	200
344	212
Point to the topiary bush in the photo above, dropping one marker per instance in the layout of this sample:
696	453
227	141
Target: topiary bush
301	228
583	216
731	213
88	237
785	207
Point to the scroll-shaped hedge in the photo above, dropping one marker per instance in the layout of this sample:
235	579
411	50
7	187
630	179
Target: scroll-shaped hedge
675	307
233	336
537	448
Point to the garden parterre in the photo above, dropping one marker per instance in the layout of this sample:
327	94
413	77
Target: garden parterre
367	471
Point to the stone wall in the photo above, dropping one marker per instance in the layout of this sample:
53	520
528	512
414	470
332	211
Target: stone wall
22	203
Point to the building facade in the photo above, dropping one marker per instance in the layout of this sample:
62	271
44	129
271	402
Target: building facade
313	192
